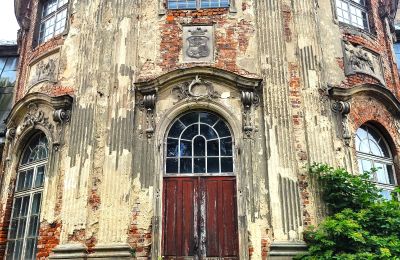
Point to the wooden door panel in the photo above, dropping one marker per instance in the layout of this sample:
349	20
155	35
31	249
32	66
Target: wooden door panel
200	218
180	216
221	216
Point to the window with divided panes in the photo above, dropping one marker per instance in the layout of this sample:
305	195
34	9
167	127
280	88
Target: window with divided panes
25	216
53	19
353	12
197	4
199	143
373	152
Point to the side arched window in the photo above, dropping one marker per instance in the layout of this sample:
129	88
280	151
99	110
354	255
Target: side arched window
24	222
199	143
373	152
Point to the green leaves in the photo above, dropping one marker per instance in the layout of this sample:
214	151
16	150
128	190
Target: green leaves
363	225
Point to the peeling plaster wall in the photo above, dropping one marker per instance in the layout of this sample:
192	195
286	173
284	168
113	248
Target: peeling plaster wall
106	185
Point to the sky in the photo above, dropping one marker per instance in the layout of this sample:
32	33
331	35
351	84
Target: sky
8	23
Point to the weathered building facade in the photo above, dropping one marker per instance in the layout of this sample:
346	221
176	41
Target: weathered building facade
182	128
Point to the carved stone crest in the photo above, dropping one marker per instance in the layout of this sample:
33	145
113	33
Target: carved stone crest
44	70
197	89
357	59
33	117
198	43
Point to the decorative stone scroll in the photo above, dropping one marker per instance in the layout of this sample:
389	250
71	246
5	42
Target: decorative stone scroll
198	43
42	112
343	108
358	59
149	103
249	99
195	90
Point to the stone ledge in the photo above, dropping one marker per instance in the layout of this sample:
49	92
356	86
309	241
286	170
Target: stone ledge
69	251
286	250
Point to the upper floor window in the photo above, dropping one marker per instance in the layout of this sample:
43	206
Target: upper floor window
53	19
197	4
353	12
373	152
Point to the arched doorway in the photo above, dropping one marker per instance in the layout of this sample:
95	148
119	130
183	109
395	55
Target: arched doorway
199	194
25	217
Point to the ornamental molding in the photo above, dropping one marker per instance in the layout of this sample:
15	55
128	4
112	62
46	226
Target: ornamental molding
148	104
37	111
195	90
358	59
378	92
205	73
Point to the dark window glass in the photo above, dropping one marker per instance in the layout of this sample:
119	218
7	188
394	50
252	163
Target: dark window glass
205	137
53	19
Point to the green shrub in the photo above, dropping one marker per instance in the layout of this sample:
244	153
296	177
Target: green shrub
362	224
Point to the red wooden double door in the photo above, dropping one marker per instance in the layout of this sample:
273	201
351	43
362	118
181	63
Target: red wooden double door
200	218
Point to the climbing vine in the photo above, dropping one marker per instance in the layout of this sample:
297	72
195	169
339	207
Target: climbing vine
361	224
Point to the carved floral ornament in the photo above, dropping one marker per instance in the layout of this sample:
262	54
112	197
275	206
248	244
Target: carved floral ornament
195	90
50	119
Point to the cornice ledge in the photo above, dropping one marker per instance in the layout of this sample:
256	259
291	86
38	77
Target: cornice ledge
372	90
58	102
21	9
205	72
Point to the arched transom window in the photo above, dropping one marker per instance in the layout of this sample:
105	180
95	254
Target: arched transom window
24	222
199	143
373	152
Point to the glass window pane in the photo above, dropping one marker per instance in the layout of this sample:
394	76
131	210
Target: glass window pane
199	146
172	147
10	249
190	132
36	203
212	165
185	148
186	165
213	148
208	132
24	206
189	118
199	165
33	226
172	165
17	207
30	249
386	194
389	169
222	129
21	228
39	177
381	175
209	118
21	181
18	249
227	164
176	129
226	146
13	229
28	179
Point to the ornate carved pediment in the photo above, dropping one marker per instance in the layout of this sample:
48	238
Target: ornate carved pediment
358	59
197	89
41	112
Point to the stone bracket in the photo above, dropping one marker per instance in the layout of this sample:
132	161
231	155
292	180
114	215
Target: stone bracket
249	99
148	103
343	108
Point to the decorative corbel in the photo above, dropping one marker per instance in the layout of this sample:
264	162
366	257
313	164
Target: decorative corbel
343	108
10	134
62	116
149	103
249	99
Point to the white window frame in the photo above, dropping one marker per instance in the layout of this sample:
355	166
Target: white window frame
374	159
52	15
198	5
352	4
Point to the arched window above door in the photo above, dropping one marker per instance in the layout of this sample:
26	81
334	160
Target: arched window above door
373	152
199	142
25	217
